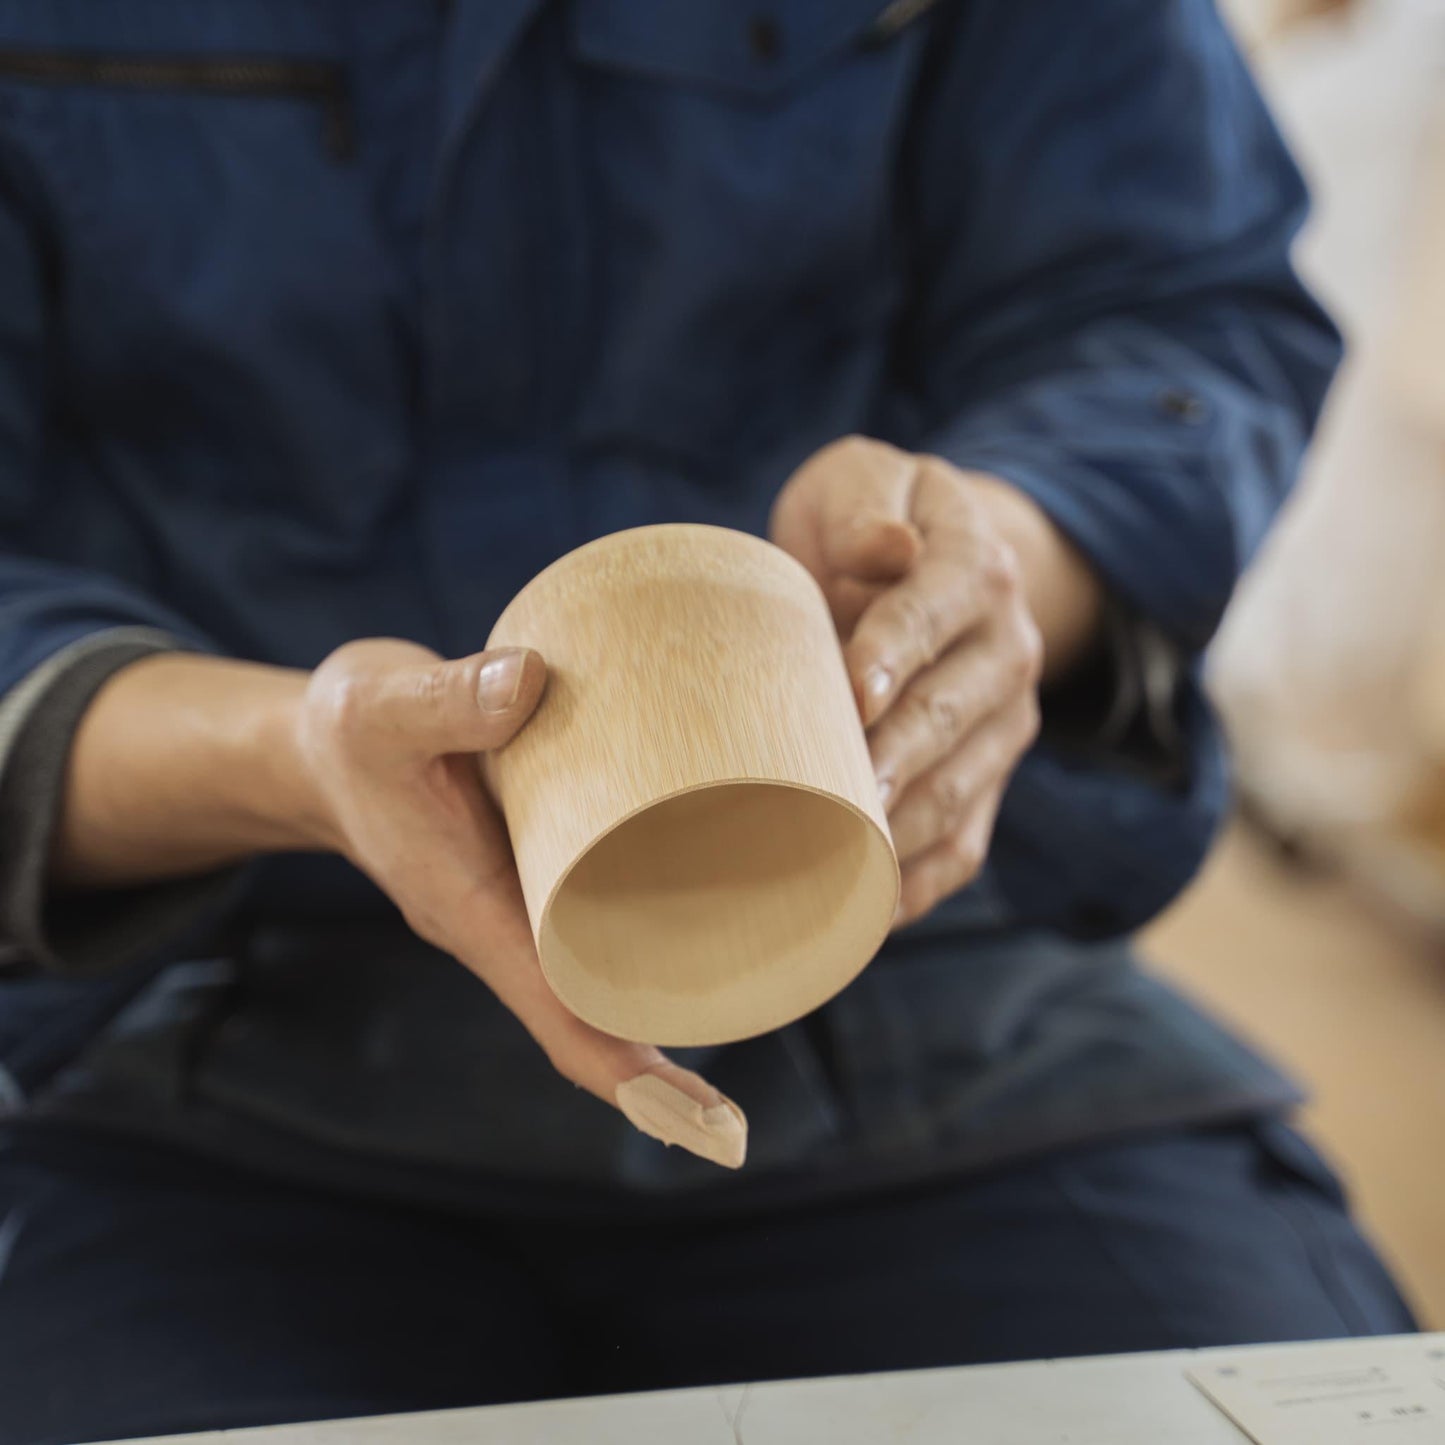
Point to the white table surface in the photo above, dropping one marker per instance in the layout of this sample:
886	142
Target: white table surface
1108	1400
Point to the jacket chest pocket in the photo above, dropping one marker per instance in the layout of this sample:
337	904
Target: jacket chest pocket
216	250
743	165
317	84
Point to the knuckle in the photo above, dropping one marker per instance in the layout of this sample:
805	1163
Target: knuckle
344	705
945	716
968	850
919	623
1002	573
429	688
952	794
1026	653
341	694
919	721
1021	669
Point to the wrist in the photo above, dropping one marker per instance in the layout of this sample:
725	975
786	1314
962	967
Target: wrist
288	801
1064	592
181	764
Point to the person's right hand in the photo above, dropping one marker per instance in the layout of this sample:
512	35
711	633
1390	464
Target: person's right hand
388	736
185	763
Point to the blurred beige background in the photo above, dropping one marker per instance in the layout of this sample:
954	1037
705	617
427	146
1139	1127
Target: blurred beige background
1319	931
1350	998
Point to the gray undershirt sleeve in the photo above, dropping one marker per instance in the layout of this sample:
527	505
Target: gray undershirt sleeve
1148	672
82	933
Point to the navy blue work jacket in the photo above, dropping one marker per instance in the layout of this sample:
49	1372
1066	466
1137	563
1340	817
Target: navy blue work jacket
329	318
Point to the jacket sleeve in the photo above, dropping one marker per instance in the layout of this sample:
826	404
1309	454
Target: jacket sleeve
1100	213
63	630
45	605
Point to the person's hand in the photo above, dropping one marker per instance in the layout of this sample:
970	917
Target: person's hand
184	763
918	564
388	734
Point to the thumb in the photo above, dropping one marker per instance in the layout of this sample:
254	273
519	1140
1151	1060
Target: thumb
469	705
872	546
845	513
864	521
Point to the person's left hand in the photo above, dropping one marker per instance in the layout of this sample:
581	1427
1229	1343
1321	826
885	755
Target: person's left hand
940	643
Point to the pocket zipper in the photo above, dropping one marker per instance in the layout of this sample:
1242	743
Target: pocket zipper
315	81
895	17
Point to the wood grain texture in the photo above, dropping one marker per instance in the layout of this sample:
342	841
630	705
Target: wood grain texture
696	822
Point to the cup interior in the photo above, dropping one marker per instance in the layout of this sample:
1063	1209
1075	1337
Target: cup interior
719	913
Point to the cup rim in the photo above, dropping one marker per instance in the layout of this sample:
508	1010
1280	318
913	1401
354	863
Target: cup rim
880	841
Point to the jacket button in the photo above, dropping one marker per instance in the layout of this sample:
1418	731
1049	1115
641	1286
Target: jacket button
765	39
1182	406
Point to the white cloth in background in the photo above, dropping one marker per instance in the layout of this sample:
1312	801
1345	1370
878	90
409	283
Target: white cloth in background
1318	667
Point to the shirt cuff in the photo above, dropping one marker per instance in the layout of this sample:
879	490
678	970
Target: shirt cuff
75	933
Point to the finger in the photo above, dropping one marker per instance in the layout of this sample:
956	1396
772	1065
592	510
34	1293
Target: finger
938	804
949	865
470	705
937	711
907	628
961	576
849	600
845	513
656	1095
870	545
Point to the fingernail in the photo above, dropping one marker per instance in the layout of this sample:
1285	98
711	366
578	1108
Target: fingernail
500	680
718	1132
885	790
877	683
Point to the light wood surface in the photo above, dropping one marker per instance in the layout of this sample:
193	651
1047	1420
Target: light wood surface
696	822
1111	1400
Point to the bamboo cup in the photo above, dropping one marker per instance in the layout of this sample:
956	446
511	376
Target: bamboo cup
696	823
